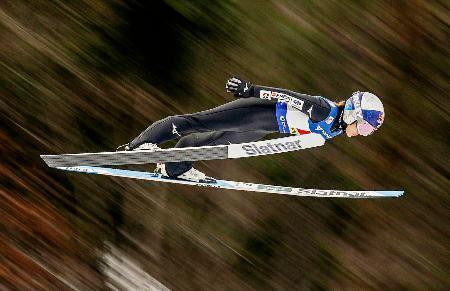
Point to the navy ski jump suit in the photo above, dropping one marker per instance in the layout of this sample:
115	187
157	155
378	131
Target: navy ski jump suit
246	120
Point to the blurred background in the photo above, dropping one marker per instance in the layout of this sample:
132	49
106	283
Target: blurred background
86	76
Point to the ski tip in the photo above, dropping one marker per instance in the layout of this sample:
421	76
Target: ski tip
396	193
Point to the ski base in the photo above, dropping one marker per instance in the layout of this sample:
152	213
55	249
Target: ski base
233	185
203	153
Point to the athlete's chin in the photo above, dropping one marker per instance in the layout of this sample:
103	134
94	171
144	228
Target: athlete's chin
351	130
350	133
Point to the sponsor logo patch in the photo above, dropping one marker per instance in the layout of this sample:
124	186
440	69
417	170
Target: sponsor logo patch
319	128
294	102
298	131
310	111
329	120
297	103
264	94
283	122
272	147
174	130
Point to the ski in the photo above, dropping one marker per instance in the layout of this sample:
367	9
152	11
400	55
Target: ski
231	151
233	185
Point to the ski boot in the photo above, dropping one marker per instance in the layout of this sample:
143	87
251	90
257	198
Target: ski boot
192	174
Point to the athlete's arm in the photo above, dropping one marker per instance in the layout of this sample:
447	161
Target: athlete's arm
316	107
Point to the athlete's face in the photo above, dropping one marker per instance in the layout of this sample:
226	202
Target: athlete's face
351	130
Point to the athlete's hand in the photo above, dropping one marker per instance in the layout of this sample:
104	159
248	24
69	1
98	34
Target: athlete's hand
239	87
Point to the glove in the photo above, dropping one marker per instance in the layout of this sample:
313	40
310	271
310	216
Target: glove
239	87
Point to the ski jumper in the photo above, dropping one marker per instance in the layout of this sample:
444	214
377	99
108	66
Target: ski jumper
246	120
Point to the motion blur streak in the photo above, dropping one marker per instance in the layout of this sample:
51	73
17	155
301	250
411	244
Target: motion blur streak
85	76
124	274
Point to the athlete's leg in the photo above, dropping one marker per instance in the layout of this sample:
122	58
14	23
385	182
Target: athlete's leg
211	139
241	115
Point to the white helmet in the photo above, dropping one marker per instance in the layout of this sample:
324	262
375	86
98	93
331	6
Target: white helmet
366	109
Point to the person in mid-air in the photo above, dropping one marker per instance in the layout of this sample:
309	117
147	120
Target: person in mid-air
259	111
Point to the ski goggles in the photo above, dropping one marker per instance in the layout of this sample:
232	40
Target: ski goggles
364	128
